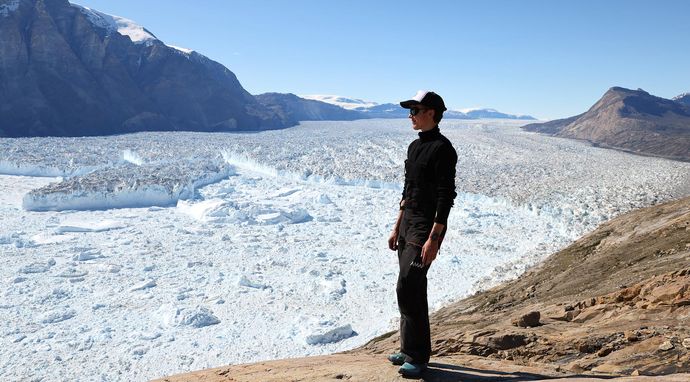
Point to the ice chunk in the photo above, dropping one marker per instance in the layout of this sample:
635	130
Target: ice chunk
89	226
37	267
17	240
88	254
145	285
205	210
324	199
127	186
334	335
72	273
244	281
58	316
293	217
197	317
149	336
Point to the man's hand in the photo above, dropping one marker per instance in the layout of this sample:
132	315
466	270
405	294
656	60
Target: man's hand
429	251
393	241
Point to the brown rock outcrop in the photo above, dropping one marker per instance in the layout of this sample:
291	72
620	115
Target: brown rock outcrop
528	320
607	302
630	120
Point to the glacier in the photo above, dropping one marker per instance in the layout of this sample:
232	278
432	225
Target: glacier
136	256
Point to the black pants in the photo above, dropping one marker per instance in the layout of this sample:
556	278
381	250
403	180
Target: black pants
415	336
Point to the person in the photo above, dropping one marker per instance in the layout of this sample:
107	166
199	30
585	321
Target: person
427	198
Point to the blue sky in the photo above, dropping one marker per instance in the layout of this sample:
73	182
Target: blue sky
550	59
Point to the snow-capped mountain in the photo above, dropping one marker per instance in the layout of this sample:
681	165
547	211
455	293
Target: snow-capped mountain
344	102
493	113
116	24
372	109
293	108
67	70
683	98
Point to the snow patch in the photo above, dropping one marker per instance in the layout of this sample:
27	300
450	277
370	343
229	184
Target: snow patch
121	25
183	50
9	6
678	97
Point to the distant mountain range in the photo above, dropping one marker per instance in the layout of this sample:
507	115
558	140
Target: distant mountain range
67	70
291	107
631	120
393	110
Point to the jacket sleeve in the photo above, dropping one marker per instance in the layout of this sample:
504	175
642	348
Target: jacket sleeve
444	171
406	182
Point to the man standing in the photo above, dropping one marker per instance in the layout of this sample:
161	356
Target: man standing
418	232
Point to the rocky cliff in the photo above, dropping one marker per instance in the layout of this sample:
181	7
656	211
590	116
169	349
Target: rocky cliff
631	120
66	70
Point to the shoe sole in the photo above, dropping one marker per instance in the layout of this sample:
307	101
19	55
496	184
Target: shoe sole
411	374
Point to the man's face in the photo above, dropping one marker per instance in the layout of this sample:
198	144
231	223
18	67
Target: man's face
422	118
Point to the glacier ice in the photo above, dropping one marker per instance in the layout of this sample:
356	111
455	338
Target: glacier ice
281	233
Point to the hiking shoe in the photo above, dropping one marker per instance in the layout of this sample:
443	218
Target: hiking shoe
397	358
412	369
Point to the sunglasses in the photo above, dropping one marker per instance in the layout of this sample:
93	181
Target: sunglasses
416	110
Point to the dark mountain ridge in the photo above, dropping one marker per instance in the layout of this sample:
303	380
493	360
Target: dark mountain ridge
63	72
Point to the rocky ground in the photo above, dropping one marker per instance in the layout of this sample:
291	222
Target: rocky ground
615	303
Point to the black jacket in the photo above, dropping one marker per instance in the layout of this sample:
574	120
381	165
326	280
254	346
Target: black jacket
430	176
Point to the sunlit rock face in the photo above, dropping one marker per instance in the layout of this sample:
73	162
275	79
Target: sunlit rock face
632	120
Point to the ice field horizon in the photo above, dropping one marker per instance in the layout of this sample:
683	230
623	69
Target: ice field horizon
132	257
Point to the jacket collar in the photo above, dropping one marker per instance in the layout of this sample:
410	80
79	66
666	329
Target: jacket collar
430	134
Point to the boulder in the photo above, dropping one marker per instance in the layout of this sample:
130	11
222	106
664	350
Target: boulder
529	320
